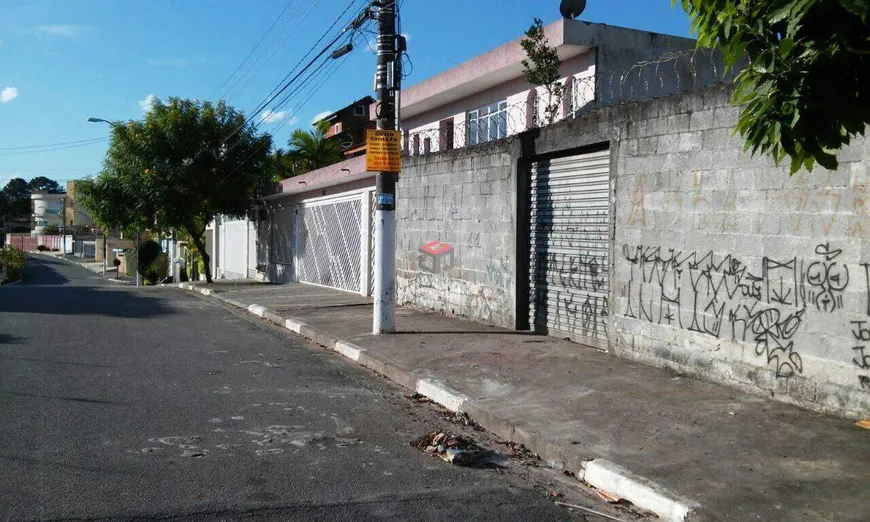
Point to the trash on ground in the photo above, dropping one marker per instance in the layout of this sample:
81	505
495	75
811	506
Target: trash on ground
608	497
454	449
417	397
588	510
863	424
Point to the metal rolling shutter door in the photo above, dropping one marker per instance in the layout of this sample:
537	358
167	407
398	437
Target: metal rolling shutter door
569	244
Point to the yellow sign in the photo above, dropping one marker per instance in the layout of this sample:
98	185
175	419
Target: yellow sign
383	150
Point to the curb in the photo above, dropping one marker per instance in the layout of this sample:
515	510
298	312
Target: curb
600	473
97	273
20	279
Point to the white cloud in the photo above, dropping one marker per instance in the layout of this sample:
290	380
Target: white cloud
320	116
147	102
8	94
271	116
69	31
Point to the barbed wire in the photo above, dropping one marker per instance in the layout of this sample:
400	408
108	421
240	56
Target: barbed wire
488	127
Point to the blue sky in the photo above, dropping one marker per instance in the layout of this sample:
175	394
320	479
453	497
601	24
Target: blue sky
62	61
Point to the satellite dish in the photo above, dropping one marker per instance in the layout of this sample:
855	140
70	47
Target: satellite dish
571	9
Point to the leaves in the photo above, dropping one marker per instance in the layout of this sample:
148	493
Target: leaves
311	150
184	163
542	68
804	81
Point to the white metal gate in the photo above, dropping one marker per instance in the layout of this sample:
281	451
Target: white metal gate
569	245
328	242
233	248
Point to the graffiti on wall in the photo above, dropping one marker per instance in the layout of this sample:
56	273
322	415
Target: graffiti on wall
861	358
436	279
722	296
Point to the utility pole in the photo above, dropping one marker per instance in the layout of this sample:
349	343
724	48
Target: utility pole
387	85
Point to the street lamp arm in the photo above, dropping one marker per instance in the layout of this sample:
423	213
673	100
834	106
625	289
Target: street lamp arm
101	120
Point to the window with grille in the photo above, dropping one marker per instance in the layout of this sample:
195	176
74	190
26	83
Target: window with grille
487	123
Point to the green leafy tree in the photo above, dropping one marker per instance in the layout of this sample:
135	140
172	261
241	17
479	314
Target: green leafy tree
17	197
806	89
311	150
283	165
186	162
41	183
541	68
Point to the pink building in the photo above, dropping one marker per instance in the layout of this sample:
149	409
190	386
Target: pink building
487	98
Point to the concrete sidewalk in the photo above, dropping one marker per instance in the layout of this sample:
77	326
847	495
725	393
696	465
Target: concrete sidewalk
669	444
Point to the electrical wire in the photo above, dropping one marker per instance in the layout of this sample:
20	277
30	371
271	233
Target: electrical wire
259	148
281	44
279	90
272	95
89	140
262	38
55	149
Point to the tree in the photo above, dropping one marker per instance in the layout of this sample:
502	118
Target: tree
185	163
17	196
806	89
311	150
283	166
542	68
43	184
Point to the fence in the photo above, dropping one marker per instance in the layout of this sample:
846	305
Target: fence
85	249
671	73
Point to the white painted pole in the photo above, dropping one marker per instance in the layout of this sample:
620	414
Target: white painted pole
387	83
138	277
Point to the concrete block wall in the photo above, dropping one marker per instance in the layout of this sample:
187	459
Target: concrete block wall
727	268
724	266
455	233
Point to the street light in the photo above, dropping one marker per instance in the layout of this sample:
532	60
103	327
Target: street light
105	237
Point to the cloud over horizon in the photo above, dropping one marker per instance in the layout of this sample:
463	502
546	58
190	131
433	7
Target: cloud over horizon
319	116
8	94
147	102
270	116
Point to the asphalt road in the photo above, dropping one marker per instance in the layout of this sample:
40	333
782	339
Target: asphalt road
119	403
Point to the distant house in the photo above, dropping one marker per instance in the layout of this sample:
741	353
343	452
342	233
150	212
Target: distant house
348	126
317	228
59	210
75	215
487	98
46	210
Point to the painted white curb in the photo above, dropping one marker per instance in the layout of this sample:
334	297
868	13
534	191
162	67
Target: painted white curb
293	326
639	491
441	394
256	310
351	351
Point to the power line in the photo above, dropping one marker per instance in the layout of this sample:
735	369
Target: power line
263	64
273	94
259	148
87	141
55	149
262	38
